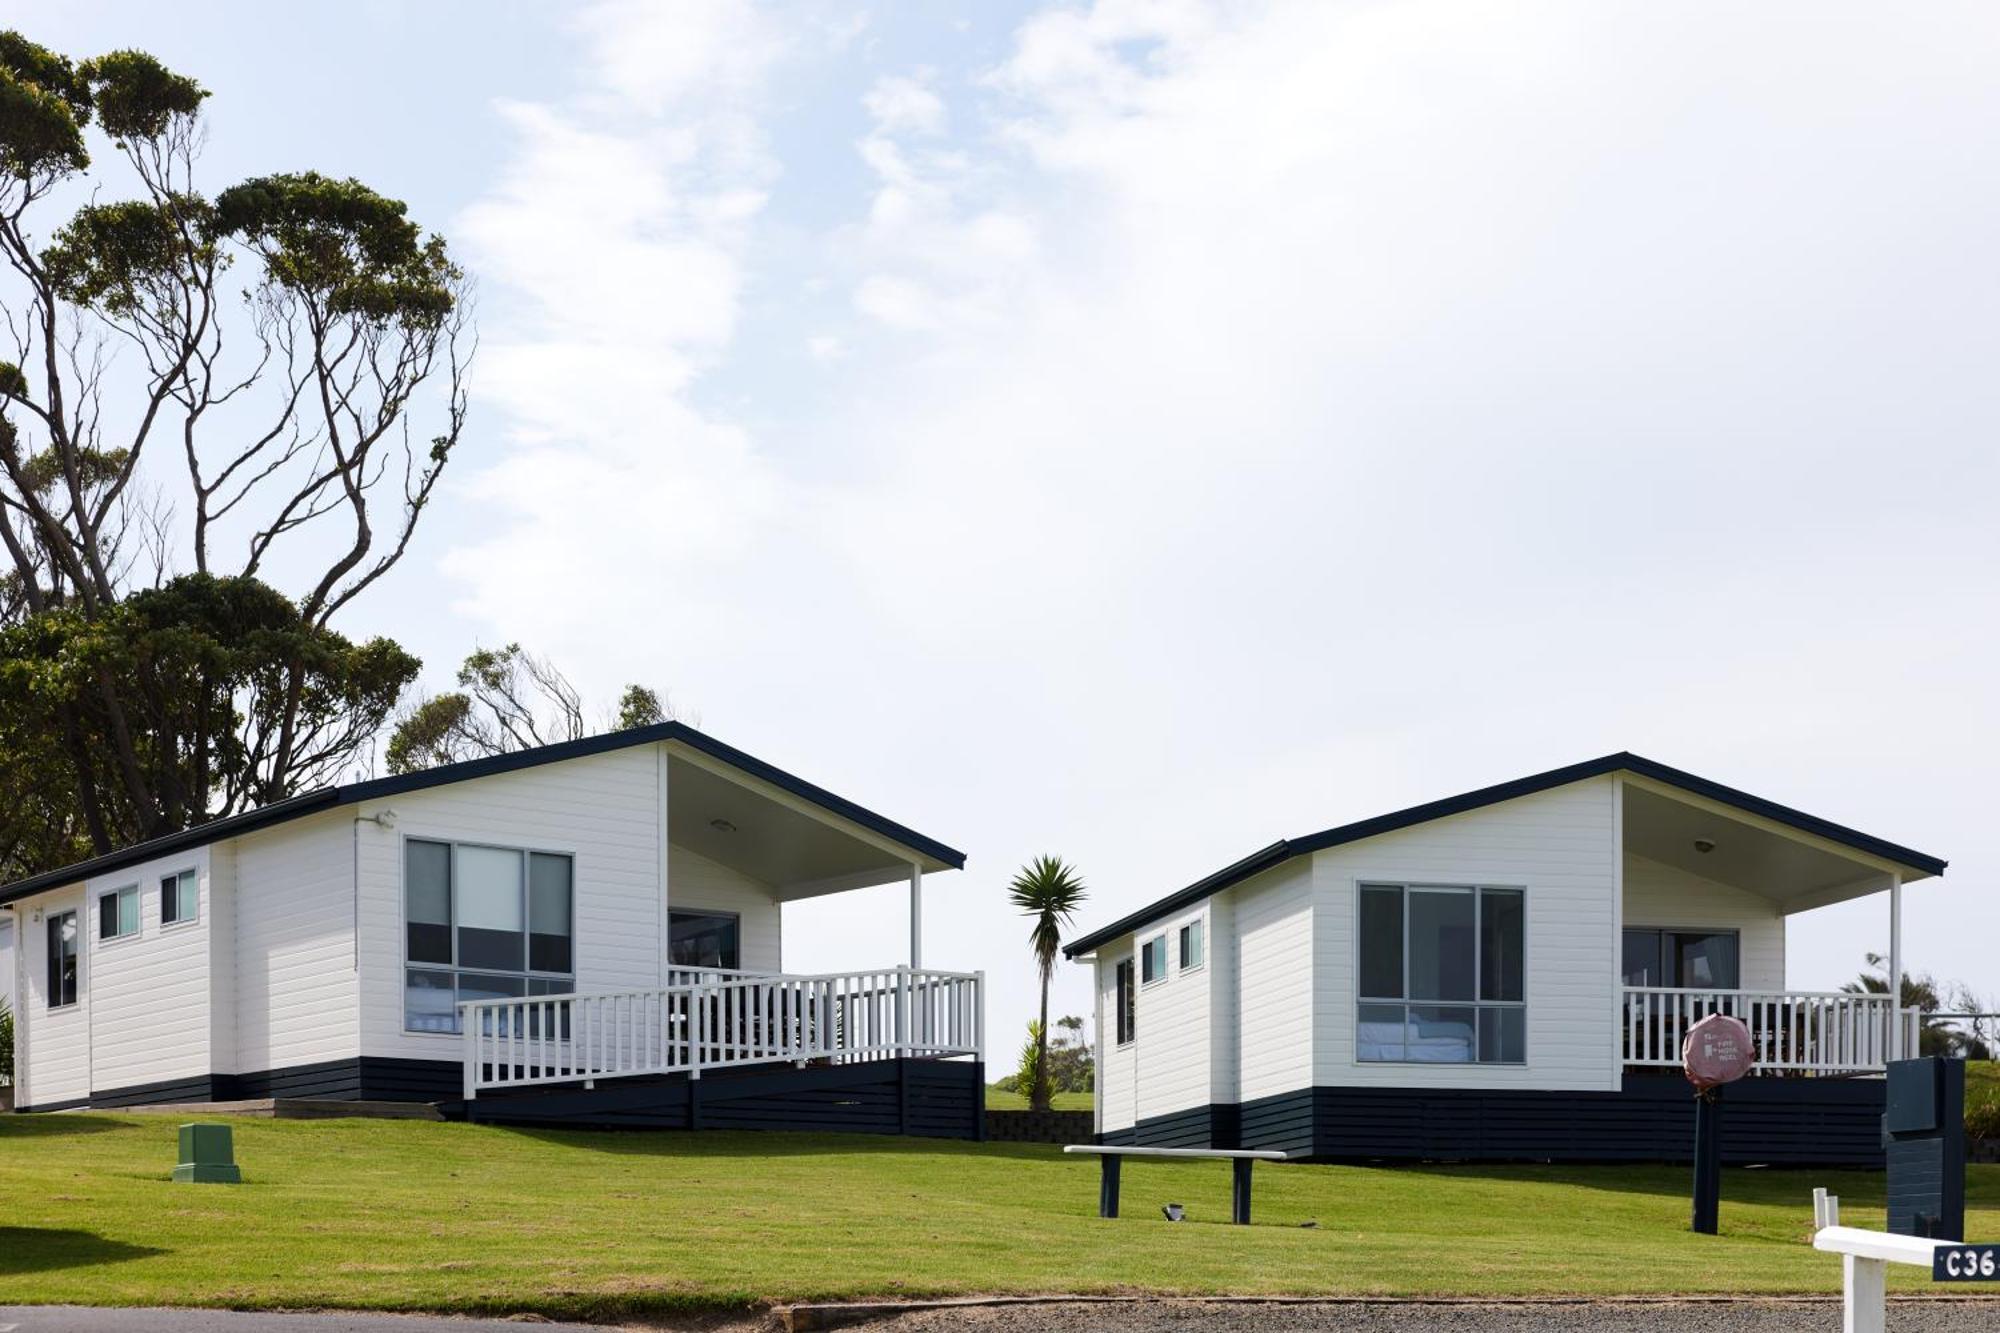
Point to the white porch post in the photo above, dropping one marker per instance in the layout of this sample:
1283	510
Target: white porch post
916	916
1896	1051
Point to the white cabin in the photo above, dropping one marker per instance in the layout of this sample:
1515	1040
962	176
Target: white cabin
1502	974
619	899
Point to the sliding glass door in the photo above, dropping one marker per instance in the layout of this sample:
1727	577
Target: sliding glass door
1692	959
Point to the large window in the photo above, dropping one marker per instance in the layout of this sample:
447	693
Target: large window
118	913
62	959
1128	1026
1441	974
180	897
1698	959
482	923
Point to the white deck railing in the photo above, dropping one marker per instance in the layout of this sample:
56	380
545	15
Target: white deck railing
1817	1032
715	1018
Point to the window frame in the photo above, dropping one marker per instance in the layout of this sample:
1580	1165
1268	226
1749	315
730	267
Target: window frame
191	874
1407	1002
1125	1002
52	920
688	909
526	976
1166	961
1199	925
138	916
1660	934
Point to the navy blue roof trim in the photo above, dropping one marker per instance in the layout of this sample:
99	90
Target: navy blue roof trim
1623	762
328	798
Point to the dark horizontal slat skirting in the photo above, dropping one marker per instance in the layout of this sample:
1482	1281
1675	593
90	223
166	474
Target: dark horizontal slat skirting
1776	1121
200	1089
927	1098
372	1078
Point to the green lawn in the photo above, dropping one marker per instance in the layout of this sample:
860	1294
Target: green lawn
999	1099
415	1215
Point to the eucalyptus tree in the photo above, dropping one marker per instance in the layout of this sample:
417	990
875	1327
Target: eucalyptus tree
222	416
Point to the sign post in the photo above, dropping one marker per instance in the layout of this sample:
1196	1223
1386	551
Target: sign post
1717	1052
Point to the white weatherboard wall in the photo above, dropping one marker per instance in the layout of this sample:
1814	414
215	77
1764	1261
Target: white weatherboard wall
1558	846
1171	1058
294	948
149	993
1117	1098
1663	896
697	884
57	1068
1277	1013
601	810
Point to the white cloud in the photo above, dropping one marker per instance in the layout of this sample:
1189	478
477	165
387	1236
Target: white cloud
1270	415
903	104
617	237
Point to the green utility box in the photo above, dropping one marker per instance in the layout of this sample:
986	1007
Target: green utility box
208	1153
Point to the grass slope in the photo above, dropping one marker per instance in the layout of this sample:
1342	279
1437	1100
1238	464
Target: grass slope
412	1215
999	1099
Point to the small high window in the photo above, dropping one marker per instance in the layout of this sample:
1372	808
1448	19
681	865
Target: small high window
1191	944
118	913
180	898
1153	960
62	959
1128	1025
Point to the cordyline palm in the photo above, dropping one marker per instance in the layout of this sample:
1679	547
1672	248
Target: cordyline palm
1049	890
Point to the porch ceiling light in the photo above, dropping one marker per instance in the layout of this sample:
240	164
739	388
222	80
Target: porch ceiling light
1704	845
722	826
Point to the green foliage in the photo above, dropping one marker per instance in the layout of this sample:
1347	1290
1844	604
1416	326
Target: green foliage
44	105
430	734
1927	995
128	711
1982	1099
639	707
1065	1058
206	669
137	97
343	247
508	699
1048	890
113	257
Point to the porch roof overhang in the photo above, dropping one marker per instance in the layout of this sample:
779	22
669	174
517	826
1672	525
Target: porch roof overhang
887	842
1864	861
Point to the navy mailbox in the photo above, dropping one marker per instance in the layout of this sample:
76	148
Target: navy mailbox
1923	1140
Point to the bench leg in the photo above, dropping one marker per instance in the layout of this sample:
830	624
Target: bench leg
1239	1193
1107	1184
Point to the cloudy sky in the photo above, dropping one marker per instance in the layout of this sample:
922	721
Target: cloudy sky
1139	431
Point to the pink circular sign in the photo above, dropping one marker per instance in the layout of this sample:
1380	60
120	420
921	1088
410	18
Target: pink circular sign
1718	1050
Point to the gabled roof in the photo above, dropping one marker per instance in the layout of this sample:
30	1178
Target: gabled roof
1623	762
328	798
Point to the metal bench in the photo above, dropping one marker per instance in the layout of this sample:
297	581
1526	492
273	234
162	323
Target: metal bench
1110	1157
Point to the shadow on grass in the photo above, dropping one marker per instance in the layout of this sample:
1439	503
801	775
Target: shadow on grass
52	1124
37	1249
734	1143
1761	1185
